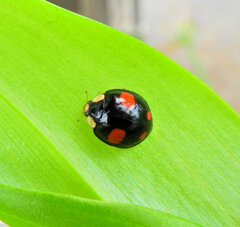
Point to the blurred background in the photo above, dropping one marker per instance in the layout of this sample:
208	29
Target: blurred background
202	36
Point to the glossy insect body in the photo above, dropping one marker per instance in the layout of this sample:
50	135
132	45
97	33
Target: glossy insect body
119	117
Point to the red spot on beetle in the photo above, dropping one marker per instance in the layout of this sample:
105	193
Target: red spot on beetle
143	135
149	116
128	99
116	136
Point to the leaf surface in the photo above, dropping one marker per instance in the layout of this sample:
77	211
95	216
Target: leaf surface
29	208
189	166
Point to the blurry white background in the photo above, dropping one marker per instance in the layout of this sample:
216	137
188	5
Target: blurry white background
202	36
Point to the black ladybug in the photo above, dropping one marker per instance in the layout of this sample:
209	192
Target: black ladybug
119	117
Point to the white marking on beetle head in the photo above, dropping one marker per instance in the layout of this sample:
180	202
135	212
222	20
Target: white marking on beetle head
91	122
86	108
98	98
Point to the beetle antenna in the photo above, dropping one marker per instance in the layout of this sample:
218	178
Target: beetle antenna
86	97
85	102
84	105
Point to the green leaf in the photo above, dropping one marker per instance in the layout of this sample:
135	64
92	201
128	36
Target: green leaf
188	167
33	208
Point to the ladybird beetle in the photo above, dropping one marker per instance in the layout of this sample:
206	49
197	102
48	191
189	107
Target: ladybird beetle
119	117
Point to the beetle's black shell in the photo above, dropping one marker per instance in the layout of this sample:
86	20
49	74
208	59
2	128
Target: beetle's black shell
109	114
